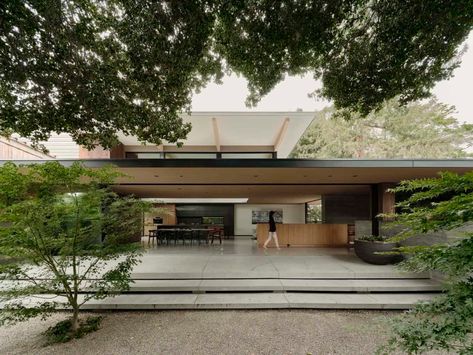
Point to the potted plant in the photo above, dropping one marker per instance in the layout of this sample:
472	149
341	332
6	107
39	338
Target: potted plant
372	249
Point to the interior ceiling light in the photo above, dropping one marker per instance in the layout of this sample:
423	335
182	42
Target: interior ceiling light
197	200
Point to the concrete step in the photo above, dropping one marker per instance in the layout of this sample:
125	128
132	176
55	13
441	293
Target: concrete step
261	301
363	285
267	300
369	273
286	285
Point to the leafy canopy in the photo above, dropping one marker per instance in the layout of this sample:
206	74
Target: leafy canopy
446	323
416	130
62	232
94	67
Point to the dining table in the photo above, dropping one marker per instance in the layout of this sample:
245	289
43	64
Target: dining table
175	229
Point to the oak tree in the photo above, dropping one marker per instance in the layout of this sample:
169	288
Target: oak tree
92	68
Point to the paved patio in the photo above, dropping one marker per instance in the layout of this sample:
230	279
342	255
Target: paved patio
237	274
241	258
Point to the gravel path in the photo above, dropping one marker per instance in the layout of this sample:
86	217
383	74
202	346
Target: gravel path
212	332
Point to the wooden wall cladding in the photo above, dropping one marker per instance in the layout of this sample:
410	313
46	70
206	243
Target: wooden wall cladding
306	235
168	215
13	150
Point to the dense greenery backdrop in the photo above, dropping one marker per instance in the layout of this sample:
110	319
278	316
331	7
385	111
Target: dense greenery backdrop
416	130
94	67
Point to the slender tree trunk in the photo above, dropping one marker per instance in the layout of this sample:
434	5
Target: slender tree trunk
360	149
75	306
75	318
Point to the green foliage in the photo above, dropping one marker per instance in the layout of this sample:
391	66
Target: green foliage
443	324
372	238
63	231
435	203
92	68
416	130
314	213
62	332
446	323
394	47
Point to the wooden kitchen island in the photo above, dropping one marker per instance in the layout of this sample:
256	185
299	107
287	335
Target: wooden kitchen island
305	235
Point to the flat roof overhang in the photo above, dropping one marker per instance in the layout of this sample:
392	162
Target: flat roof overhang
462	164
265	180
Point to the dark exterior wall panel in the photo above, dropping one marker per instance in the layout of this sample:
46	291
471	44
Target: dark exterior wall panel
345	208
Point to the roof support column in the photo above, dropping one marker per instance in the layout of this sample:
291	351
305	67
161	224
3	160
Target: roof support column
374	209
387	199
382	202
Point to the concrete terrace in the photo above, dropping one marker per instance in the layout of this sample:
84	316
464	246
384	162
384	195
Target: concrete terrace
238	275
240	258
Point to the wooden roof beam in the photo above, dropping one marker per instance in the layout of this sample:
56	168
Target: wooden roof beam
216	133
281	133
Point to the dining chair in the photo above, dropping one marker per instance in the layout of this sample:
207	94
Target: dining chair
216	232
153	235
203	235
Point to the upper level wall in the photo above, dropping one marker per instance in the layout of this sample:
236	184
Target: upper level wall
11	149
117	152
61	146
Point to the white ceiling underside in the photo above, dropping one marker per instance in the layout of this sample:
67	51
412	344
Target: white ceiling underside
280	129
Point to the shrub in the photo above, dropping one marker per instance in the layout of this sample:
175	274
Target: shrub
63	331
372	238
446	323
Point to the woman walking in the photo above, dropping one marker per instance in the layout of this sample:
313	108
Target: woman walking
272	231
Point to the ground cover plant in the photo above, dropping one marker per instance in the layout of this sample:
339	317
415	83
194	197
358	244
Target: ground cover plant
446	323
63	231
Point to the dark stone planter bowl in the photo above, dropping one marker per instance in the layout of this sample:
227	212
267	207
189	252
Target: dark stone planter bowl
366	251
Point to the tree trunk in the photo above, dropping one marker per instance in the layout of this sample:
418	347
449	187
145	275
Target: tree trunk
75	318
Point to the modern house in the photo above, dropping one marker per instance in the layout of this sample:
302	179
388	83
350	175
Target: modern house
233	167
231	170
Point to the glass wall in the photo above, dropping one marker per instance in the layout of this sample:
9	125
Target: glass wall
186	155
144	155
199	155
247	155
